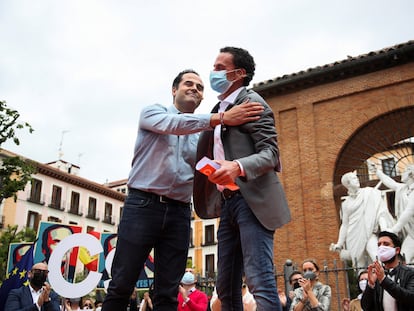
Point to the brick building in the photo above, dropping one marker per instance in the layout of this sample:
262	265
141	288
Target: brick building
330	120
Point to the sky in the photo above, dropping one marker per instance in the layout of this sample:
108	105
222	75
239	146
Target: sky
80	71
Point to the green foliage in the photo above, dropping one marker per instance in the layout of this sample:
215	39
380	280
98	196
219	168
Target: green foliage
15	173
12	235
189	263
353	283
9	125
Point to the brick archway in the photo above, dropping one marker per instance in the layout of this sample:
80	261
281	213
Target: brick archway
330	119
376	136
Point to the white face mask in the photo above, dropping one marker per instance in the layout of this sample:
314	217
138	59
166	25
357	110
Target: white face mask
363	284
385	253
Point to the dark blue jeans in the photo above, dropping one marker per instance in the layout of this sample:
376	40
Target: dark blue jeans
147	223
245	245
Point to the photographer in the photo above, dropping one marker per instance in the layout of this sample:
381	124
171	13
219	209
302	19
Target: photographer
312	294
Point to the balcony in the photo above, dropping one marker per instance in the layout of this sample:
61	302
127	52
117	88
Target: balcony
36	200
56	205
75	211
92	216
108	220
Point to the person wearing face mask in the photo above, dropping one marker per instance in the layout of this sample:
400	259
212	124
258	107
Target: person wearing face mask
189	297
38	296
312	294
250	212
157	211
355	304
404	208
390	284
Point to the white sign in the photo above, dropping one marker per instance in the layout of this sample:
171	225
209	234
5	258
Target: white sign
58	283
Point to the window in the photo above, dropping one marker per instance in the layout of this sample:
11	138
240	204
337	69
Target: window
54	219
32	221
388	167
36	191
191	237
108	213
209	235
56	197
362	173
74	203
91	208
210	272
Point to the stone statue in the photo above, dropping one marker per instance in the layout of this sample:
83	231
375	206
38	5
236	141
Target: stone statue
364	215
404	208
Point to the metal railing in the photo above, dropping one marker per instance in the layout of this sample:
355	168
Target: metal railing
339	275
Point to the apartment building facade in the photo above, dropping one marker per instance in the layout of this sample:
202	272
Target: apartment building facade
58	194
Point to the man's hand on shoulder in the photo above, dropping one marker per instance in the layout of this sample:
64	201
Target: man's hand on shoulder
238	114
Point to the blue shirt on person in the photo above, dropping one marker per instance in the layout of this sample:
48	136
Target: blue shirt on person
164	152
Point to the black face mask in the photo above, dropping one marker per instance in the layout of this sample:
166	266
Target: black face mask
38	279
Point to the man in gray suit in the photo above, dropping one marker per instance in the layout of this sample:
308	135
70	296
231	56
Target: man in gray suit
249	156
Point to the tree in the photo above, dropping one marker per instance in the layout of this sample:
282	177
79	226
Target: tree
15	172
11	235
8	124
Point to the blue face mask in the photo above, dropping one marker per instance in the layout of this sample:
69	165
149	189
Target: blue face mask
219	82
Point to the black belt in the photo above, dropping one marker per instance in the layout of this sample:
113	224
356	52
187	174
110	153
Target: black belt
158	198
227	194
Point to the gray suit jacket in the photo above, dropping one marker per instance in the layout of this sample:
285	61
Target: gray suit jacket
254	144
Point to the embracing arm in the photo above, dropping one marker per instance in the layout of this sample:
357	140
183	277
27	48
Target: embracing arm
159	119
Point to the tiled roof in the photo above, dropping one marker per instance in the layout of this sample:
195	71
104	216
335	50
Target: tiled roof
352	66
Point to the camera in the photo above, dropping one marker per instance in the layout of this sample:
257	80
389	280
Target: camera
296	285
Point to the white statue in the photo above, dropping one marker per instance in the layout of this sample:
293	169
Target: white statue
364	215
404	209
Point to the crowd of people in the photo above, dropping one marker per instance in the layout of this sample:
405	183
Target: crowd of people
244	190
387	284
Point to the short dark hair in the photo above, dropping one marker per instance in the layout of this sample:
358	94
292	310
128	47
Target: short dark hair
294	272
242	59
179	77
395	239
361	273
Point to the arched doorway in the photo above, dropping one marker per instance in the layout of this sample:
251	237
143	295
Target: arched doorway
388	136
